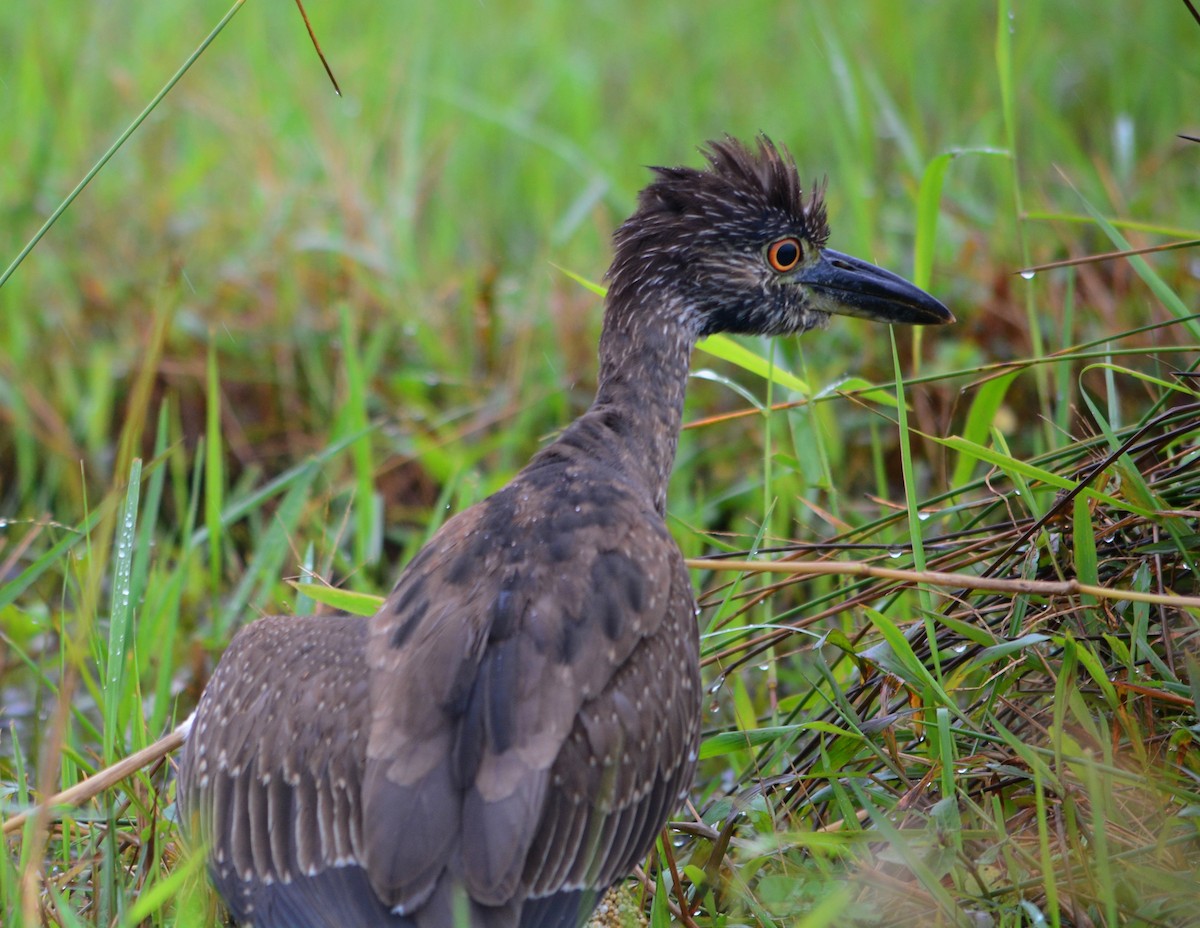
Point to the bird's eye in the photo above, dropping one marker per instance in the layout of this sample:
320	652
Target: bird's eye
784	254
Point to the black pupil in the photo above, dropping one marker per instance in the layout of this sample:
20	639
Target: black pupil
786	254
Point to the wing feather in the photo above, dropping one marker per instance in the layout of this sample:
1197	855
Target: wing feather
268	780
641	744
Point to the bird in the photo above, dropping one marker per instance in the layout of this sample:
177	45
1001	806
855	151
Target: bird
505	737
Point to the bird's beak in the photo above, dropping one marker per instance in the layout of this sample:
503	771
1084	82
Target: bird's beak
851	287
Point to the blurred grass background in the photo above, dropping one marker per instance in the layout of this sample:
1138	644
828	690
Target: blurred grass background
322	323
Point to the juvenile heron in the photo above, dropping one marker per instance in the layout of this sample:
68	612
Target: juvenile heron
505	737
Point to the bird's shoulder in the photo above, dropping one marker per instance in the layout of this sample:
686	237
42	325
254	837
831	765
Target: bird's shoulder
566	556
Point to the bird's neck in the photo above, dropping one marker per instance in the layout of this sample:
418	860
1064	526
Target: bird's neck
638	408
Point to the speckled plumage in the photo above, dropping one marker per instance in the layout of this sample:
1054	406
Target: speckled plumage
505	737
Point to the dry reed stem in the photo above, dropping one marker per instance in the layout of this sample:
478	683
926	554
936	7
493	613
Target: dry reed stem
943	579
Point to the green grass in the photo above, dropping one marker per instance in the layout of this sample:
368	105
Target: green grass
281	336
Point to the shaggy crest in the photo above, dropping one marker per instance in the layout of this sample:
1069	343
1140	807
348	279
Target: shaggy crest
745	192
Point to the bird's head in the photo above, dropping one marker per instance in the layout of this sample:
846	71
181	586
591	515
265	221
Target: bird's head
738	247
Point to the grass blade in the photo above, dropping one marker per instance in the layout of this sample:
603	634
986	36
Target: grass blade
120	629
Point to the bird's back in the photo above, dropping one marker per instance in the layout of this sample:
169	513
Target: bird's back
514	723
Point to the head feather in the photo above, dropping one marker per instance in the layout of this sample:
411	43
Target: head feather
743	192
698	236
768	175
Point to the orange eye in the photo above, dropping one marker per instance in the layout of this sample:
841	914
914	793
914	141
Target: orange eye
784	254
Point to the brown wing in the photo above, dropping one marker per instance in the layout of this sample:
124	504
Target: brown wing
506	665
628	760
270	778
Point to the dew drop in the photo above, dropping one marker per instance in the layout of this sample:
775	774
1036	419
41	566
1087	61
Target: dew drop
894	553
1028	275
